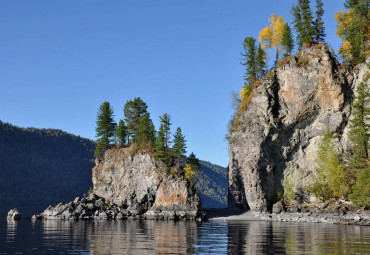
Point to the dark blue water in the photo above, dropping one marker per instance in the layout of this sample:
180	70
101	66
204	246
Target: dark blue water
168	237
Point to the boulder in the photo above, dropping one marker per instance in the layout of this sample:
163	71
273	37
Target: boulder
14	214
278	208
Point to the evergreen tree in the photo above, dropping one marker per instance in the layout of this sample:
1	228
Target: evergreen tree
193	161
164	133
303	22
287	41
179	143
332	178
250	74
145	134
105	129
261	65
163	153
121	134
319	23
360	127
134	110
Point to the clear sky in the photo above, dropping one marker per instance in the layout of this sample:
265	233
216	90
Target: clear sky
59	60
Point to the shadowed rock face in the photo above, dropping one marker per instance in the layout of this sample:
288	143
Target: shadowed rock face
135	183
281	129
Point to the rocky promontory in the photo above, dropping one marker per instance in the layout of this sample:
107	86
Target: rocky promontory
132	185
274	141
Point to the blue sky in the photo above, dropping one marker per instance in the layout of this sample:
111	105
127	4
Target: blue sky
59	60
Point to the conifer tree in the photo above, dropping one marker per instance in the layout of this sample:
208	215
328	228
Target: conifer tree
163	153
360	128
193	161
145	133
332	177
287	41
105	129
179	143
319	23
261	65
134	110
121	134
303	22
249	54
164	133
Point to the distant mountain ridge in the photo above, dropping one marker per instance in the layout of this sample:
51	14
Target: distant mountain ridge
43	166
48	166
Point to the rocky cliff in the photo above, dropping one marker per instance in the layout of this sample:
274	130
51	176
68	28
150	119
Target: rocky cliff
131	186
275	140
138	185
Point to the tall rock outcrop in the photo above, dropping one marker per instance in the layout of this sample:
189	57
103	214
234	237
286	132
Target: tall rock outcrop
275	140
137	184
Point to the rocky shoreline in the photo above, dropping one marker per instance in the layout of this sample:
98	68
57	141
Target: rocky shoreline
329	212
97	208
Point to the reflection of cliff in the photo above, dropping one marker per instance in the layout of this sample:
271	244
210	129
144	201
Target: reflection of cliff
122	237
170	237
262	237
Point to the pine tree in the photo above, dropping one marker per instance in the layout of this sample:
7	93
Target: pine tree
250	74
145	133
307	22
134	110
359	128
163	152
164	133
179	142
303	22
121	134
261	65
319	23
193	161
105	129
332	181
287	41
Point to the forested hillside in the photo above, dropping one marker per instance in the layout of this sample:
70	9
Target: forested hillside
48	166
211	183
43	166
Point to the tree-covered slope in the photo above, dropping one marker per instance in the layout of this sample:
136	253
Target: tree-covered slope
48	166
212	185
43	166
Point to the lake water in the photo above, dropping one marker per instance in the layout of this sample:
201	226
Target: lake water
168	237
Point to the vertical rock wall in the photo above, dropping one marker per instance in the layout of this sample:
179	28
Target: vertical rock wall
279	133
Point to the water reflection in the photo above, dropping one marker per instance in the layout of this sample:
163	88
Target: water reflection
296	238
169	237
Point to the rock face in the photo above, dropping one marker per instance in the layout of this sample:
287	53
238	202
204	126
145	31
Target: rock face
14	214
277	137
131	186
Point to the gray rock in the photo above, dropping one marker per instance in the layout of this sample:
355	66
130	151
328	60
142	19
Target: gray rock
275	140
14	214
278	207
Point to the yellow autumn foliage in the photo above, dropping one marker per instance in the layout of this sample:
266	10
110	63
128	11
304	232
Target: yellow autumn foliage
344	20
270	37
189	172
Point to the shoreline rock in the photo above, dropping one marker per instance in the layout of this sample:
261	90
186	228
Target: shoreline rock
360	219
14	214
132	187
